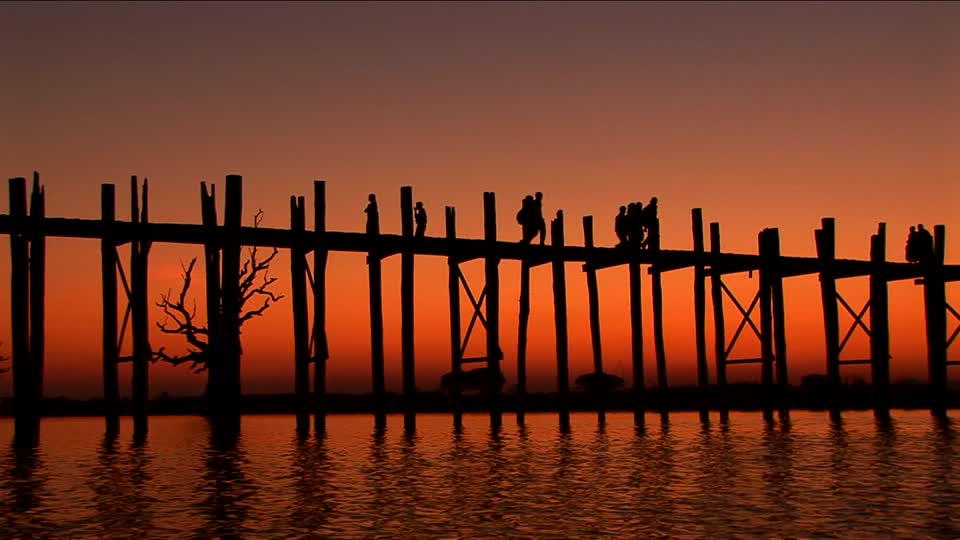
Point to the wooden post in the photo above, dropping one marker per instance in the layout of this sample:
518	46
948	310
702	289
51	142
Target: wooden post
779	323
453	289
593	298
492	278
24	406
139	316
301	335
766	322
211	268
406	312
321	351
376	321
560	321
935	304
879	324
522	341
37	286
108	268
658	345
230	287
719	326
826	252
636	341
700	312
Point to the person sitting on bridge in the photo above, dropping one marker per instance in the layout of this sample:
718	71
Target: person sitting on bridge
420	216
621	226
911	251
924	245
373	215
525	219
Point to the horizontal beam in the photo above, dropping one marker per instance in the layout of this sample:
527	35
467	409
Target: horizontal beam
854	362
744	361
460	249
475	360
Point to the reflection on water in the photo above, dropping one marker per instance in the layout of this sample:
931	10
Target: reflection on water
808	477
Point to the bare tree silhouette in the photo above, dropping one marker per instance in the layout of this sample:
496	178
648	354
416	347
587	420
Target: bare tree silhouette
255	281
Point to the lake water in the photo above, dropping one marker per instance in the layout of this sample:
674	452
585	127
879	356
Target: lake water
746	479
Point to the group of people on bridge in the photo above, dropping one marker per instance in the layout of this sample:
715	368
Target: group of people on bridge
638	225
530	218
919	245
373	217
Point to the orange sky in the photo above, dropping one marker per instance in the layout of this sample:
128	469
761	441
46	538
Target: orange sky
763	114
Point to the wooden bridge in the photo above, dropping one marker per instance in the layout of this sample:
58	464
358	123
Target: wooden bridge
222	243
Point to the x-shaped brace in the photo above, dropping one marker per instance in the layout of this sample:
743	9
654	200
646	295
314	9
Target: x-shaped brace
857	320
745	313
956	331
477	303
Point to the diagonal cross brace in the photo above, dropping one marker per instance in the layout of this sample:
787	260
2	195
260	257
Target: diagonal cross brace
956	331
857	321
745	313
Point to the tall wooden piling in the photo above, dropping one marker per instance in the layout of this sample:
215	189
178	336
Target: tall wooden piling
139	316
767	355
376	320
658	344
108	269
230	287
37	291
24	405
636	342
700	311
321	351
492	279
406	312
453	289
779	322
560	322
935	307
719	326
301	335
524	316
826	242
593	299
211	268
879	324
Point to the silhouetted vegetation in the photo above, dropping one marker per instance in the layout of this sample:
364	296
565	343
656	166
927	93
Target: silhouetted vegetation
255	282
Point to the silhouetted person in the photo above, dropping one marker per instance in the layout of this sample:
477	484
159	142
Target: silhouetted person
634	224
539	222
620	226
911	251
924	245
525	218
651	222
373	215
420	216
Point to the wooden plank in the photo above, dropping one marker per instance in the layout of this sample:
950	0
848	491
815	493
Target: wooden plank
301	333
560	323
524	316
407	314
453	292
321	352
230	303
37	292
24	406
716	299
779	323
211	257
108	262
766	320
935	311
826	251
492	278
879	325
636	342
700	309
139	314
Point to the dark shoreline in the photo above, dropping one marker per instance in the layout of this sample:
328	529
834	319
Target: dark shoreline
744	397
